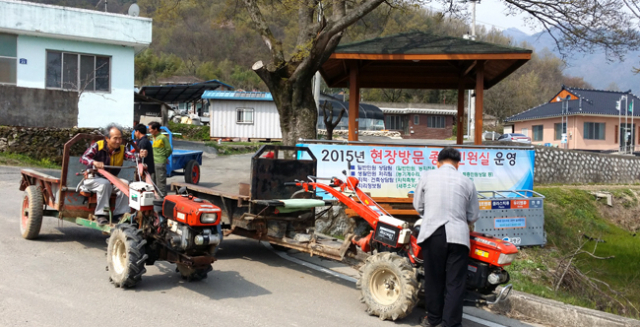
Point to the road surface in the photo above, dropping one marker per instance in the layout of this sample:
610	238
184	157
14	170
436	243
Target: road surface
60	280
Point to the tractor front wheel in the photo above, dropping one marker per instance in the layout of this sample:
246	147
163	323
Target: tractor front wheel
193	274
31	213
192	172
126	255
388	285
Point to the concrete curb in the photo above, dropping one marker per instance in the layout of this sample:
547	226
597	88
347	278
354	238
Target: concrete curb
559	314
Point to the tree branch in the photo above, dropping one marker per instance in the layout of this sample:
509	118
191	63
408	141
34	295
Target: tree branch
274	45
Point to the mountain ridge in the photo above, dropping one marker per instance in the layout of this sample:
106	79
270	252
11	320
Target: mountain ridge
593	67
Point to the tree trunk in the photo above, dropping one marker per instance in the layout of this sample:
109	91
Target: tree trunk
297	109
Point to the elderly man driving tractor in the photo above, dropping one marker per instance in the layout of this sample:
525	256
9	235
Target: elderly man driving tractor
108	154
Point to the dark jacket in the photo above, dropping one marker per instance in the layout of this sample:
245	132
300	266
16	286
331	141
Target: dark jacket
144	144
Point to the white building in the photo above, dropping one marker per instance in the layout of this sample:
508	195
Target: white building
246	115
90	52
253	115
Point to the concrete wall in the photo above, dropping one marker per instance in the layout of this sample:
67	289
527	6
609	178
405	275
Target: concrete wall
30	107
421	131
95	109
575	131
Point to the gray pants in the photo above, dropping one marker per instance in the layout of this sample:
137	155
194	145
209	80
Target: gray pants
160	177
103	190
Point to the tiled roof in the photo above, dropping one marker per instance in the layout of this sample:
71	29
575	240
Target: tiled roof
424	43
590	102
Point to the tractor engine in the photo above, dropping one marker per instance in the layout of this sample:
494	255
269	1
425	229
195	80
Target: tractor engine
192	224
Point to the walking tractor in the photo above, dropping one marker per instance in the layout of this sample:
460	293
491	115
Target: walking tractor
180	229
279	206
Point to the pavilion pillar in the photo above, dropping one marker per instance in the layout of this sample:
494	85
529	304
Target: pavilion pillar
477	140
460	117
354	100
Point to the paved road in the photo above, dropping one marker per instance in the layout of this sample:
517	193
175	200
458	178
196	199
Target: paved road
60	280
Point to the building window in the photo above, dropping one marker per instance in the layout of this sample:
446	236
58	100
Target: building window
8	58
594	131
394	122
78	72
435	122
559	130
537	132
416	120
244	115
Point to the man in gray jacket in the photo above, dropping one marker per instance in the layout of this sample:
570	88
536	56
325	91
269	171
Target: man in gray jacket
447	202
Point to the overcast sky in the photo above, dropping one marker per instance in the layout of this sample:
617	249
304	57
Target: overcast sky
493	12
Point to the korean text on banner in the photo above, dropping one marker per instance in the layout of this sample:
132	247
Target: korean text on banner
386	171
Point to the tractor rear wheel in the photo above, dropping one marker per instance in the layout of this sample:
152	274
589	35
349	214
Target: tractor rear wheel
388	285
192	172
31	213
126	255
193	274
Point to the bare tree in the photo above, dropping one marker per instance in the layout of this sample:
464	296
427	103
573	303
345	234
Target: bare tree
583	25
329	124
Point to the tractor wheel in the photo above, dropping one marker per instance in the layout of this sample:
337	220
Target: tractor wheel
193	274
389	286
31	214
192	172
126	255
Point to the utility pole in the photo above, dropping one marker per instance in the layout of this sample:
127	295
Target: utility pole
626	123
633	130
472	99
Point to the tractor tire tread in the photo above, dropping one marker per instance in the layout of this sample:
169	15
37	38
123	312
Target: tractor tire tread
403	269
136	256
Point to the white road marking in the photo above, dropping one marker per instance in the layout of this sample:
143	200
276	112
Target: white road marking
285	256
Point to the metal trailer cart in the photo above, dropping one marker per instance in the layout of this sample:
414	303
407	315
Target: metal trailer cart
271	211
189	161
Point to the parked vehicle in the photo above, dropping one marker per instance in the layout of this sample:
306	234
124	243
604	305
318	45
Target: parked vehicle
179	229
490	136
188	161
515	137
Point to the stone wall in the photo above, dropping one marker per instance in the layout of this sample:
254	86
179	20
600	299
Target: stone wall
44	143
558	166
29	107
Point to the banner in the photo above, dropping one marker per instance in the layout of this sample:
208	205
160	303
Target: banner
388	171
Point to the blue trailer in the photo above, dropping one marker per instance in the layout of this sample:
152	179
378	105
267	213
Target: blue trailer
188	161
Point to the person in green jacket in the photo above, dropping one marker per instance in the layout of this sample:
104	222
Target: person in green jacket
161	152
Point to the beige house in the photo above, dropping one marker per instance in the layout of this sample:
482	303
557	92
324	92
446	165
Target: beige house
593	120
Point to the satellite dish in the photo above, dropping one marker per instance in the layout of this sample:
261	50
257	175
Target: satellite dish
134	10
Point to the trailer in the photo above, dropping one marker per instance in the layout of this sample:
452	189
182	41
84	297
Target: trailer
188	161
271	211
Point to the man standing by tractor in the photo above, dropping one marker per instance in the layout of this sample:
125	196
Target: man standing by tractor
143	143
161	152
108	152
447	202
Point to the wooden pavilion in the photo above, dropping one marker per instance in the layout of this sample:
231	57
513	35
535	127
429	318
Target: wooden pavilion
419	60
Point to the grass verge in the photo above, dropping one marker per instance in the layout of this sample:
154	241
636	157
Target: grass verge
20	160
574	218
